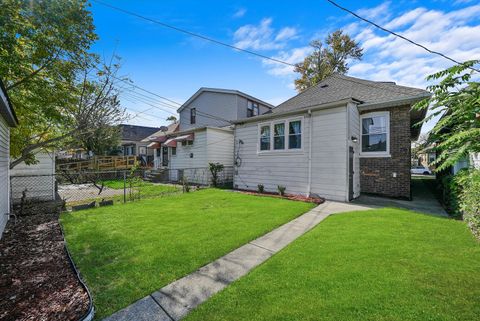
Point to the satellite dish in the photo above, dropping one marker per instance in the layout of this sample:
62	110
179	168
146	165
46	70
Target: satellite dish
163	128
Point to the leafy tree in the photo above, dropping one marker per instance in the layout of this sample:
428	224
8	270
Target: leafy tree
43	46
456	98
326	60
215	169
172	119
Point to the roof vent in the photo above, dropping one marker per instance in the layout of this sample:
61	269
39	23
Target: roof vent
387	82
324	86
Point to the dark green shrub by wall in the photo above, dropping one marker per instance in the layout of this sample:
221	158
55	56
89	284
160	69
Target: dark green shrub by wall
470	201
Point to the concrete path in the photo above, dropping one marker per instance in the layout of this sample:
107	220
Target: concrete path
423	199
177	299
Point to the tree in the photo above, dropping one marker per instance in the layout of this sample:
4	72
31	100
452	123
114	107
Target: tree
326	60
215	169
456	98
43	47
172	119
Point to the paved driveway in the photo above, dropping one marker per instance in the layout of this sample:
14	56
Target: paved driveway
423	199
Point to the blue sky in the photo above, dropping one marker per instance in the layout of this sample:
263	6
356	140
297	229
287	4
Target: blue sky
176	65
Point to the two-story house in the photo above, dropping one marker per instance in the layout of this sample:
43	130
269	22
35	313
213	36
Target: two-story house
205	133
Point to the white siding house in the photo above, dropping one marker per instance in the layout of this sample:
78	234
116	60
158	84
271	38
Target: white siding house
340	138
205	134
7	120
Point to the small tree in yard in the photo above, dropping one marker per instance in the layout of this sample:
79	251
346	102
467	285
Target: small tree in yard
215	169
457	99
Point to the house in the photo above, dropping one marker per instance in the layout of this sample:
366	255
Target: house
338	139
8	119
156	139
205	134
131	143
37	180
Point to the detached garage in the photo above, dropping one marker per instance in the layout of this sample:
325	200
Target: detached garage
8	119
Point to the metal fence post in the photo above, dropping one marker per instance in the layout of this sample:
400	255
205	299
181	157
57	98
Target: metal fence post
124	187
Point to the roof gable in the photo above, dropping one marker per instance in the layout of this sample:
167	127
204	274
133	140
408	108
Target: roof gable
222	91
6	108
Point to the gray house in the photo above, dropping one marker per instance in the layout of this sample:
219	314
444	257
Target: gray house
205	134
340	138
133	143
8	119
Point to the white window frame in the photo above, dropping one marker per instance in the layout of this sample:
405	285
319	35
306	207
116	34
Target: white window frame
286	149
386	153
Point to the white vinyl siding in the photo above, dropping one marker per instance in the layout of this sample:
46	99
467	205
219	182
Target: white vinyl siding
209	146
4	173
290	167
354	119
37	179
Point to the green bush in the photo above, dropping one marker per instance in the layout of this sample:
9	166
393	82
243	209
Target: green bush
452	186
281	190
260	188
470	201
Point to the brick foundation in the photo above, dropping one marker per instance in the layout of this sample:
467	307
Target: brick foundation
376	174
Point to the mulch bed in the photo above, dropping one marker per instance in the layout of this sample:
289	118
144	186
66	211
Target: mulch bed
37	281
316	200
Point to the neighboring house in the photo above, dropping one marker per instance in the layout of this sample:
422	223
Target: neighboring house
340	138
8	119
36	180
132	143
204	134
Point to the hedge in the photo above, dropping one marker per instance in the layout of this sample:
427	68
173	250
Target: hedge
470	201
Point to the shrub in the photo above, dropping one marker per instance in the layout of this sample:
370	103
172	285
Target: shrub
186	187
215	169
470	201
261	188
452	186
281	190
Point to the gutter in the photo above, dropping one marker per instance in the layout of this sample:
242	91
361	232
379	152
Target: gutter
337	103
310	131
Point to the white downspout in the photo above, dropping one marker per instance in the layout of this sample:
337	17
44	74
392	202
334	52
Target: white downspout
310	138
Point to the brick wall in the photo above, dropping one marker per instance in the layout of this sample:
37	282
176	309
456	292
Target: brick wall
376	174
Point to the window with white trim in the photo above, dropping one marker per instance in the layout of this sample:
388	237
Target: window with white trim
375	133
265	137
281	135
295	134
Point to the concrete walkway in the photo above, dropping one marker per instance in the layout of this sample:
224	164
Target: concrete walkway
177	299
423	199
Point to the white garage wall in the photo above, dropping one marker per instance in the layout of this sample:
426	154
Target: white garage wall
4	173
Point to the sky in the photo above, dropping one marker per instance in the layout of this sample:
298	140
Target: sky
175	65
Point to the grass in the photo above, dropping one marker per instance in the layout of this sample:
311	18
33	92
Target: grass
386	264
126	252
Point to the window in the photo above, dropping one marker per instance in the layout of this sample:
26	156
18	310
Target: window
187	142
265	137
252	109
279	136
375	133
174	151
295	134
193	116
158	152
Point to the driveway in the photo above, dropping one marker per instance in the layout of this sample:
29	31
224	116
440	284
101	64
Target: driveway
423	199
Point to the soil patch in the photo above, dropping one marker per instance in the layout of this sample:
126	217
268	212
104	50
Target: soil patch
37	281
316	200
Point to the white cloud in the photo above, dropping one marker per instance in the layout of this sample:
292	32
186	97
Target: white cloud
379	13
263	36
386	57
240	13
292	56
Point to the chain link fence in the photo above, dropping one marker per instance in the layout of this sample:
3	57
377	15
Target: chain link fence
91	188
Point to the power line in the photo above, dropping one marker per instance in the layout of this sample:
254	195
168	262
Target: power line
402	37
218	42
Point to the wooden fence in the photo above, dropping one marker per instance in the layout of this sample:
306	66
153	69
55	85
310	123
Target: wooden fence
99	163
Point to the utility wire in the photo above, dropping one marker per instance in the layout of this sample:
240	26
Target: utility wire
402	37
218	42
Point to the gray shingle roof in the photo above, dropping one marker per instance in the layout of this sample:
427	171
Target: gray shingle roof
338	87
136	133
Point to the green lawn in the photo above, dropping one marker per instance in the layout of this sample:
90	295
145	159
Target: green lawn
128	251
143	188
386	264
